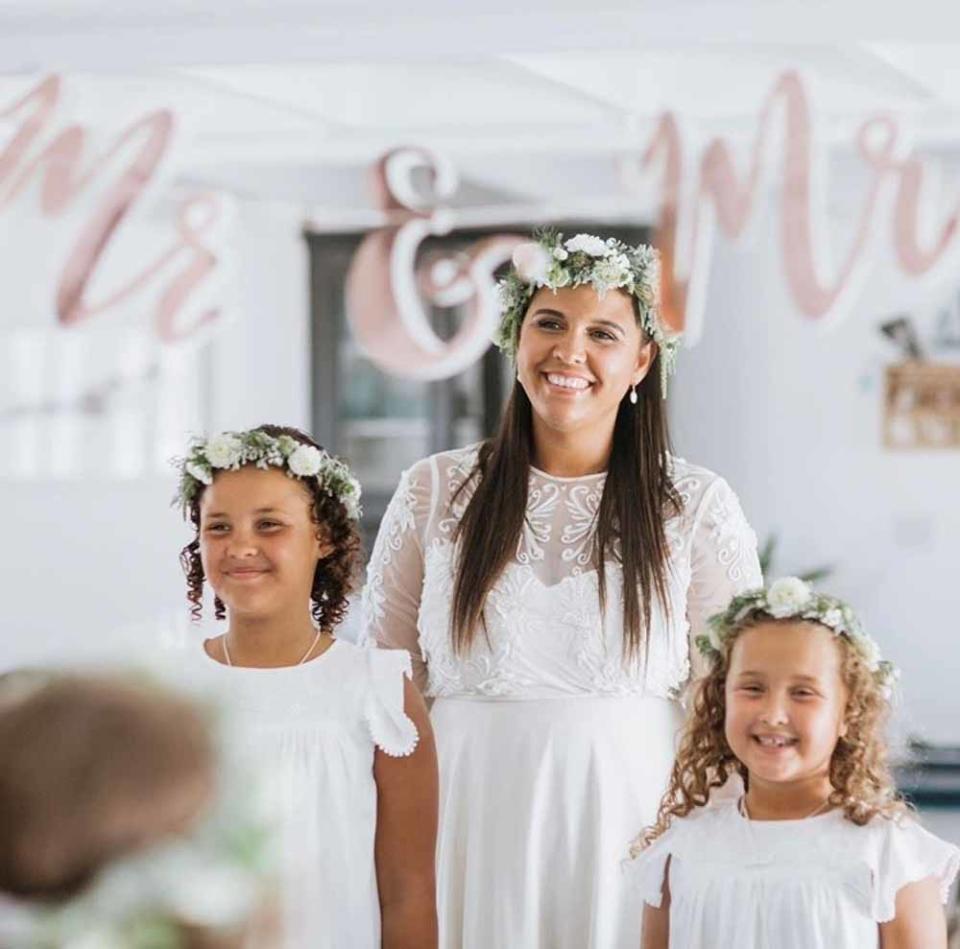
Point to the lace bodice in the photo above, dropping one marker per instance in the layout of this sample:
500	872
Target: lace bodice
546	635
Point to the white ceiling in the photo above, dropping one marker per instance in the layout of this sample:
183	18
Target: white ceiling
292	100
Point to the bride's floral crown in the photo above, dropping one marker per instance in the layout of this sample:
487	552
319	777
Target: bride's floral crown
550	261
792	598
234	450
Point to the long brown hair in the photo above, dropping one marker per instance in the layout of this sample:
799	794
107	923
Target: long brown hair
859	773
638	496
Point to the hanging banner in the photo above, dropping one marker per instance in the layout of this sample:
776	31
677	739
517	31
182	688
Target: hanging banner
387	292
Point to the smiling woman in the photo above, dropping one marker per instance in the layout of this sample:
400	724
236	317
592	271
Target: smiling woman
546	583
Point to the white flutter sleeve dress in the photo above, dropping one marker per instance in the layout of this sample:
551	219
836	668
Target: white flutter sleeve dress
309	734
819	883
553	753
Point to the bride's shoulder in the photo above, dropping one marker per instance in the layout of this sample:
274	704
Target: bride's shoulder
691	481
455	464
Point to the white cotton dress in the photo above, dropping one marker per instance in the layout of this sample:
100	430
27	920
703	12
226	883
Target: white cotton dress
819	883
553	753
309	733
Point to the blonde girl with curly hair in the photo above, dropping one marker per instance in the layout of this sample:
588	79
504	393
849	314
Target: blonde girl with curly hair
818	852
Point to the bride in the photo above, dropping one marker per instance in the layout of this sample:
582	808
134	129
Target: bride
548	584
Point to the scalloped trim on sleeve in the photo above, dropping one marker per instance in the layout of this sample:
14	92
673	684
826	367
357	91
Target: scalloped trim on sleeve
910	854
391	729
645	872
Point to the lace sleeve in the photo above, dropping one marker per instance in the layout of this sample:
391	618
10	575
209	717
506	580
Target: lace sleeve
724	560
391	597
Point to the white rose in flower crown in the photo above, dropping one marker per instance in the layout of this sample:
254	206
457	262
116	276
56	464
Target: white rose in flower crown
559	253
834	619
199	473
787	596
532	262
305	461
869	650
223	451
594	246
612	272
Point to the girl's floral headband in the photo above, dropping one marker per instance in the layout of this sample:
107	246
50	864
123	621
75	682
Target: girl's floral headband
233	450
792	598
550	261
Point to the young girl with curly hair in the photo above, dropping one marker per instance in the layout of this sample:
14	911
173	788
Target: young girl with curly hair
340	732
819	852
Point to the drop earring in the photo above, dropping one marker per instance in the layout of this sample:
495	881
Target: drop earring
633	395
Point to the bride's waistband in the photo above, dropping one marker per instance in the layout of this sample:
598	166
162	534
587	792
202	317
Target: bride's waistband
530	698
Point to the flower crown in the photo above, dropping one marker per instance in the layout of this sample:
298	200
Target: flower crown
233	450
550	261
792	598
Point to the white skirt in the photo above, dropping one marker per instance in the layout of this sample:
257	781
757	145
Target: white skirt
539	800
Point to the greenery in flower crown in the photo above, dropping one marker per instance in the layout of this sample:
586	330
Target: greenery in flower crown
234	450
550	261
792	598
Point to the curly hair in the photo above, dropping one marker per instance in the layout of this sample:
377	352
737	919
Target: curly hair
336	574
859	772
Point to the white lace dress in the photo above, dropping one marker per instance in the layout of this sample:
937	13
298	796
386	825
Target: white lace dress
309	733
553	753
819	883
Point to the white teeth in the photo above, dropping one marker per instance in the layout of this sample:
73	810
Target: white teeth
772	741
567	382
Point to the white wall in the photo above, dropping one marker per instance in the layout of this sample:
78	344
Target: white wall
790	413
89	564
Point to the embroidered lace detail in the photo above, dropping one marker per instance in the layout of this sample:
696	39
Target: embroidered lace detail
544	632
398	520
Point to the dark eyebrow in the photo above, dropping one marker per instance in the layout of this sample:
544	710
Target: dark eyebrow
548	311
797	678
610	325
259	510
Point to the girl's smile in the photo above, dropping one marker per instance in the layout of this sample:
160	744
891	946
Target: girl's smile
786	701
258	541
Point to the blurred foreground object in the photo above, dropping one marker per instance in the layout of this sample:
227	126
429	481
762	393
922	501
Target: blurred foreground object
114	828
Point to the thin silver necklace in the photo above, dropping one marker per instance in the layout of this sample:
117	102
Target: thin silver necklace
762	855
316	639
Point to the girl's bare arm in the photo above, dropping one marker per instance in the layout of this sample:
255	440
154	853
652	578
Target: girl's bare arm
407	805
920	922
656	920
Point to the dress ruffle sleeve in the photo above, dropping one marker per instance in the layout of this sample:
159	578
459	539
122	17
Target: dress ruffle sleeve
907	854
391	728
645	872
